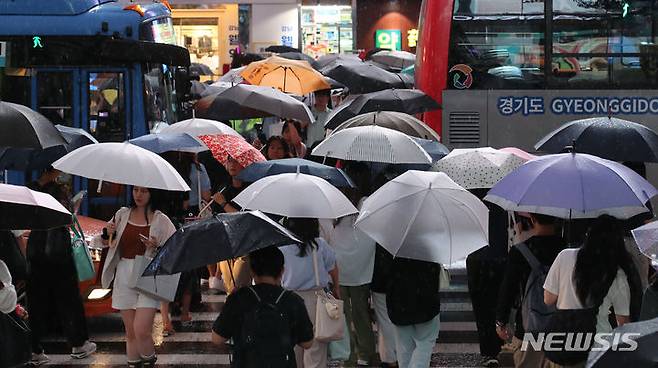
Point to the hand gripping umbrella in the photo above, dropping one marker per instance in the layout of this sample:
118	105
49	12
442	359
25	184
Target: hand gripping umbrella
22	208
217	238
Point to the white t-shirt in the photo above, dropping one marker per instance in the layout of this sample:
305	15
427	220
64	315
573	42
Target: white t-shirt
559	281
7	293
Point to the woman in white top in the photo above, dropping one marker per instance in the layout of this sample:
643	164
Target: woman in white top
299	275
7	291
135	230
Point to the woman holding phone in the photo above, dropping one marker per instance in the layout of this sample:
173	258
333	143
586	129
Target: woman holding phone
136	230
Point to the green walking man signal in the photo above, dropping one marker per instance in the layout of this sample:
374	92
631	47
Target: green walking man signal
36	42
625	7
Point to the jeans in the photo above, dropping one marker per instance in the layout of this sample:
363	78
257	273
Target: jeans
415	343
385	329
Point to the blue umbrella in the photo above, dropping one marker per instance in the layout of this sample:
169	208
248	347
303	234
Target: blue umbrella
262	169
572	186
163	142
435	149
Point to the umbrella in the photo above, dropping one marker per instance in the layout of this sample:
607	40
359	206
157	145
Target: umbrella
646	237
607	137
617	354
373	144
245	101
295	55
163	142
21	127
410	101
364	78
122	163
474	168
289	76
519	152
571	185
425	216
196	127
217	238
411	70
295	195
408	80
278	49
215	88
327	62
394	58
223	145
22	208
399	121
233	76
334	84
435	149
260	170
200	69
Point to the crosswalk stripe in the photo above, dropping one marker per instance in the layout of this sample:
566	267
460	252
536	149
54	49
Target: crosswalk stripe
163	359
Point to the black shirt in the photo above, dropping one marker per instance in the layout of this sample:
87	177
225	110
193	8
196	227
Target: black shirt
412	295
240	303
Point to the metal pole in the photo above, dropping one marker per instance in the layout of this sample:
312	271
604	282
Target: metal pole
548	42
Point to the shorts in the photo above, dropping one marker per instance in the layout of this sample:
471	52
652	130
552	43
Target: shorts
123	296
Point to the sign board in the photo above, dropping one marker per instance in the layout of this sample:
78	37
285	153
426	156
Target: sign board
390	39
3	54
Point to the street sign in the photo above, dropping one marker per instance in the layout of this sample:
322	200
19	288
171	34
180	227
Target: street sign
390	39
3	54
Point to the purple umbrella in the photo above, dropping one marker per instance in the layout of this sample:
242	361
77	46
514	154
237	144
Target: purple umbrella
573	186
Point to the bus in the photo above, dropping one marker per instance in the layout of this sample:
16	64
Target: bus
108	67
507	72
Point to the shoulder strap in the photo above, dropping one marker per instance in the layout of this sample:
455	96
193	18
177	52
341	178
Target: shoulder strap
527	254
280	296
315	267
255	293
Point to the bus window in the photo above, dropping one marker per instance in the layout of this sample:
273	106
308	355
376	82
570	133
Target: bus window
159	96
55	96
107	115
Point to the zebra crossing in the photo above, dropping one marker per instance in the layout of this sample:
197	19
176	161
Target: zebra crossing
457	345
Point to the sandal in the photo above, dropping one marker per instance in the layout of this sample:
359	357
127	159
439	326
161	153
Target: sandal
168	331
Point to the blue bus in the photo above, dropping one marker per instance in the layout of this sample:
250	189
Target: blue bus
106	66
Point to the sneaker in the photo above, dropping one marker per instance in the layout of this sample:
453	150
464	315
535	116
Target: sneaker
39	359
84	351
489	362
362	363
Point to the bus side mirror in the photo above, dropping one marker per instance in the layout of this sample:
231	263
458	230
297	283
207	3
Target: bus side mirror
183	84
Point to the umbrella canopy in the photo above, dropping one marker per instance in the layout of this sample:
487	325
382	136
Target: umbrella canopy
364	78
21	127
122	163
295	55
22	208
196	127
411	70
163	142
200	89
245	101
435	149
373	144
233	76
223	145
425	216
394	58
259	170
571	185
519	152
607	137
474	168
279	49
646	237
289	76
646	354
399	121
296	195
217	238
408	80
200	69
410	101
327	62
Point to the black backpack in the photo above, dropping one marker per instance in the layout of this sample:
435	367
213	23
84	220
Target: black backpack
265	341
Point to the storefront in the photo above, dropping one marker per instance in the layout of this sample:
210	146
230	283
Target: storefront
391	24
327	29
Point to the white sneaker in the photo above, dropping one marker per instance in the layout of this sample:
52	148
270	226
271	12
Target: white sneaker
84	351
39	359
215	285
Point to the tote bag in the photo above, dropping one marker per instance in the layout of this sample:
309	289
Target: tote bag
329	315
161	287
81	256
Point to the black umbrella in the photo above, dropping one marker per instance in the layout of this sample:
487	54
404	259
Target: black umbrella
200	69
607	137
334	83
399	121
21	127
330	61
364	78
295	55
645	335
217	238
259	170
410	101
280	49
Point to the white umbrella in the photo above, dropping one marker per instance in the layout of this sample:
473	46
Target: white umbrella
646	237
373	144
232	76
196	127
22	208
474	168
296	195
425	216
122	163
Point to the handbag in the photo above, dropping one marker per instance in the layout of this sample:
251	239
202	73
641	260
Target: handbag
15	346
329	315
161	287
578	321
84	264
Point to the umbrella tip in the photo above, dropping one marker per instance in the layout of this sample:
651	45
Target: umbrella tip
193	113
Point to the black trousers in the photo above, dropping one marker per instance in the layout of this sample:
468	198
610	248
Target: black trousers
53	296
485	274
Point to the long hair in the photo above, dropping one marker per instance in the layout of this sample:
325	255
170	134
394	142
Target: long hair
598	260
306	229
155	202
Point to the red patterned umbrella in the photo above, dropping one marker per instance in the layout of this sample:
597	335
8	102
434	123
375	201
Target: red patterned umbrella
223	145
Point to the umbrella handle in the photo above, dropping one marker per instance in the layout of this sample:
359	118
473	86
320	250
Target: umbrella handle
206	207
100	186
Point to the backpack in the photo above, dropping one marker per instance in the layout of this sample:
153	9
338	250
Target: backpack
266	341
534	312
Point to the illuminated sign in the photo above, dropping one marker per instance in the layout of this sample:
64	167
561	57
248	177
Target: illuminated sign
412	37
36	42
3	54
462	76
390	39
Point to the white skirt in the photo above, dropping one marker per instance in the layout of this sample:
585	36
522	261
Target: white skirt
123	296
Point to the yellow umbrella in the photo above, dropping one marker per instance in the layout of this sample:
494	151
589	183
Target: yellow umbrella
289	76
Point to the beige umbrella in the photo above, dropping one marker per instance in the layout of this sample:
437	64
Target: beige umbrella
289	76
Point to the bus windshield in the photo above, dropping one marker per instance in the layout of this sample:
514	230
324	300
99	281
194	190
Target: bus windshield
159	95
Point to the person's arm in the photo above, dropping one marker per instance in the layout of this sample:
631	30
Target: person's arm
622	319
334	280
306	344
549	298
217	339
552	282
302	325
223	203
225	323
